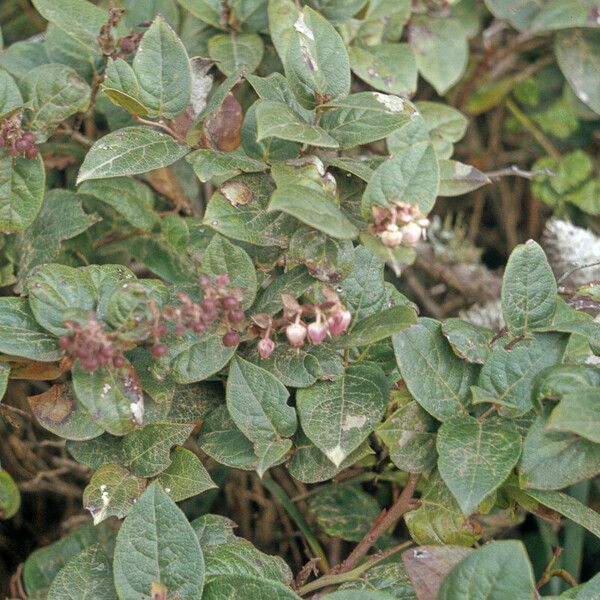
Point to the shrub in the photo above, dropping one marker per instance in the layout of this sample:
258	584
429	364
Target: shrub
207	212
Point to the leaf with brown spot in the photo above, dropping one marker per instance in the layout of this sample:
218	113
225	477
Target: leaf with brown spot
237	192
427	566
222	128
59	412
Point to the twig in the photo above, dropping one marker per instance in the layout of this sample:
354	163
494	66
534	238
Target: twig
518	172
161	125
577	268
338	578
383	522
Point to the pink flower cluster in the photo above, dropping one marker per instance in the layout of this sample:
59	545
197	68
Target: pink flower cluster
92	345
220	303
303	323
17	141
401	224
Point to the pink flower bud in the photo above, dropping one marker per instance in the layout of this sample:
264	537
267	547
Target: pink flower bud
296	334
266	347
411	234
317	332
391	239
339	321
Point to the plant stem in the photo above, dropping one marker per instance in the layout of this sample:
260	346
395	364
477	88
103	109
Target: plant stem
161	125
299	519
527	124
574	534
384	521
338	578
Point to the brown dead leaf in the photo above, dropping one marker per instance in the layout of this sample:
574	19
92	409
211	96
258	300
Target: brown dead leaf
222	128
53	406
164	182
427	566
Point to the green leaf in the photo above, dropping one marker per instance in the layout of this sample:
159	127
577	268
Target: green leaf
434	375
363	291
577	52
114	398
553	460
21	192
311	205
365	117
555	14
208	11
249	222
239	556
337	416
209	164
87	575
327	259
276	119
54	92
577	412
282	16
156	543
59	412
223	257
469	342
130	151
43	564
389	578
344	511
476	457
112	492
194	358
507	378
390	68
519	15
294	367
185	476
457	179
310	465
257	403
163	71
409	434
225	443
295	282
4	373
10	498
497	570
569	507
378	327
411	176
96	453
146	451
439	520
441	50
528	289
232	52
55	289
80	19
212	530
276	87
10	96
131	199
20	334
60	219
246	587
316	63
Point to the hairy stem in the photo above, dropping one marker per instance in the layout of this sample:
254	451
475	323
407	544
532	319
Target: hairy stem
384	521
